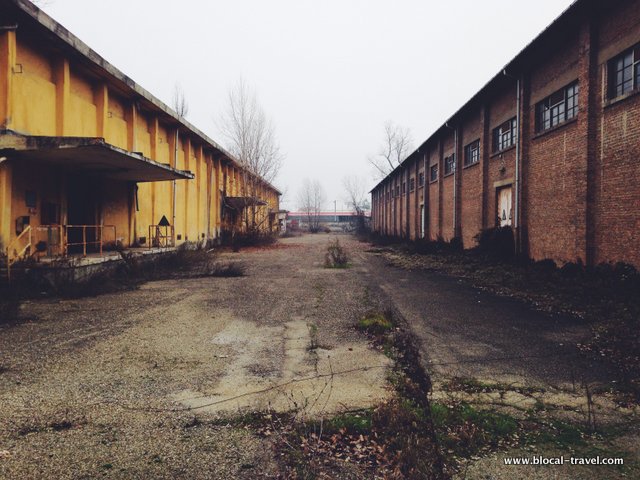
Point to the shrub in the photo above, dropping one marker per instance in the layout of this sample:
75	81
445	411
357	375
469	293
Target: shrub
336	256
498	243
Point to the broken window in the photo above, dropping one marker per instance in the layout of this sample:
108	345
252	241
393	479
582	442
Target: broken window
472	153
450	164
557	108
505	135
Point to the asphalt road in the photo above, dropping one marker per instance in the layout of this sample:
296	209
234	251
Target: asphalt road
467	332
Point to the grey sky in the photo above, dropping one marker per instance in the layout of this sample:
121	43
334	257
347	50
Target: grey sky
329	73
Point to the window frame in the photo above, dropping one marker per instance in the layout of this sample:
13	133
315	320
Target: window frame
449	163
558	108
420	179
506	130
471	151
412	184
433	169
617	85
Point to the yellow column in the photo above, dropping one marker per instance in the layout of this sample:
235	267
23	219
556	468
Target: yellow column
217	189
5	204
200	227
131	116
153	133
7	62
62	75
101	99
187	184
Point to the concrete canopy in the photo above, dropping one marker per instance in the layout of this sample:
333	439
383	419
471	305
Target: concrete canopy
91	156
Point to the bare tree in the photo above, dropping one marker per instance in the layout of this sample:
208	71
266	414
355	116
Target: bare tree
356	193
311	199
395	148
250	137
179	101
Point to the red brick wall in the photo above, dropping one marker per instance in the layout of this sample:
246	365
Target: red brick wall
471	183
552	179
434	195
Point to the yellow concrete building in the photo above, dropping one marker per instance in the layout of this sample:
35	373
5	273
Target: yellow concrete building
89	159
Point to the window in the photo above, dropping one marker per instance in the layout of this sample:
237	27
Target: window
557	108
421	179
397	190
412	184
505	135
31	199
624	72
433	173
472	153
404	188
450	164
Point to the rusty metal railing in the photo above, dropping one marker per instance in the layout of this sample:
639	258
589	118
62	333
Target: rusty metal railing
161	236
98	231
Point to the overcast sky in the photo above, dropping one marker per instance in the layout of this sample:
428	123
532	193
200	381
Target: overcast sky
328	72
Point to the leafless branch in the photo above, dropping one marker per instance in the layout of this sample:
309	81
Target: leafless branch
396	146
179	101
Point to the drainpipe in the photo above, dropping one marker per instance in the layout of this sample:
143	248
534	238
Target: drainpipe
516	216
516	200
173	200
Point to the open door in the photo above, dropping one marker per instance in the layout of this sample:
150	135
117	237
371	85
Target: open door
504	206
81	211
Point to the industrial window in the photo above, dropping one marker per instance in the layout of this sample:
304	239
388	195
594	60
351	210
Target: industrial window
397	190
505	135
450	164
412	184
404	188
421	179
624	72
557	108
433	173
472	153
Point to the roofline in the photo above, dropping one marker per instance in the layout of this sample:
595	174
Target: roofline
575	6
68	38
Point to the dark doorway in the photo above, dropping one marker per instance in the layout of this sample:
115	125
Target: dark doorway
81	211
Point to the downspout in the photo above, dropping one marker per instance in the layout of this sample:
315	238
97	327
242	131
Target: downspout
173	200
516	200
455	182
516	216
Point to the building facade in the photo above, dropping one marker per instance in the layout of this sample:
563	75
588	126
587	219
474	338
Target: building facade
88	158
550	147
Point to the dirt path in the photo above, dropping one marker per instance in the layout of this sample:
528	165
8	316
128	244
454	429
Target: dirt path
133	385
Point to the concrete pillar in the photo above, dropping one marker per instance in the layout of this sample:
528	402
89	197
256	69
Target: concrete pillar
101	100
7	63
62	79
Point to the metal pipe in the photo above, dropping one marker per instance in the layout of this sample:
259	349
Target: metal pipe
175	165
516	216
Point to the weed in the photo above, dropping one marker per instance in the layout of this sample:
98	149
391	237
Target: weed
375	323
336	256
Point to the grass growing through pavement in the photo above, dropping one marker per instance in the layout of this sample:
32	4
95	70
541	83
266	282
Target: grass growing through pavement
375	323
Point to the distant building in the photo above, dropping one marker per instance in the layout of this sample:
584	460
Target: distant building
338	221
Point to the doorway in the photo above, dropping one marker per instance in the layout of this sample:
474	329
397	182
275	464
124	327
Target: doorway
504	199
81	210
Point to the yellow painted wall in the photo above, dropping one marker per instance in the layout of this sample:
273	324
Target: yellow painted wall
44	94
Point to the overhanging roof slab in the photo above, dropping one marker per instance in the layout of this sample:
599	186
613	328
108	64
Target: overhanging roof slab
90	156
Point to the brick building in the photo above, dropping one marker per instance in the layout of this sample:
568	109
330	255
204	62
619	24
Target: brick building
549	146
